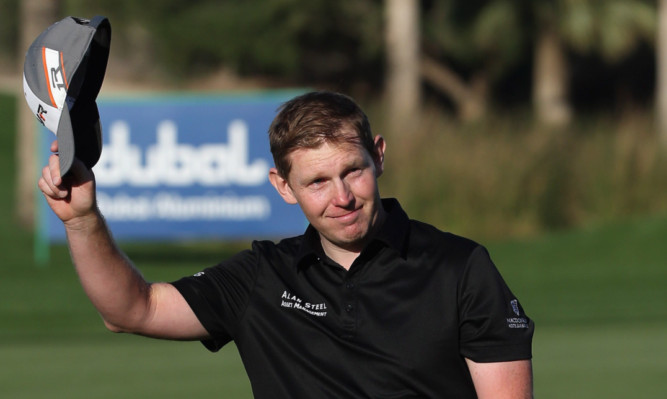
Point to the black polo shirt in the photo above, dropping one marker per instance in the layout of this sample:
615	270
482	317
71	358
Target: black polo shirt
398	324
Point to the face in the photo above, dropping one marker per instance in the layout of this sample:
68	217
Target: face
336	187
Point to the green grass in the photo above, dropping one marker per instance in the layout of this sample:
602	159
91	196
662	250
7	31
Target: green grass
597	295
601	361
107	366
605	275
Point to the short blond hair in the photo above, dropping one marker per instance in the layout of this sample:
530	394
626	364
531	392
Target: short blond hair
315	118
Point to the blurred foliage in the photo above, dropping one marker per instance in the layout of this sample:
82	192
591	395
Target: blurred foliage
496	35
340	44
8	26
492	35
297	40
507	176
497	176
611	28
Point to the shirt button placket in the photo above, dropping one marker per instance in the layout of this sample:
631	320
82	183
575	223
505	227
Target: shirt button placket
350	316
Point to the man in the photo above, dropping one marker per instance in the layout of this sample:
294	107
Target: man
365	304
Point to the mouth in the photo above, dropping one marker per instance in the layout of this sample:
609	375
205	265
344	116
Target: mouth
347	216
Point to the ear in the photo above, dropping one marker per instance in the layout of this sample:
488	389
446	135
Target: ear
378	157
282	186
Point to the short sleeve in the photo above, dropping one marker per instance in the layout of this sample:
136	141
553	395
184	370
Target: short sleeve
220	294
493	325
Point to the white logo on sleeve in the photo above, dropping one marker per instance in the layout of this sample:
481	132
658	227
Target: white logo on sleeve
516	322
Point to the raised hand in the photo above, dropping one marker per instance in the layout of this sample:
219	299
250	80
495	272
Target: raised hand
72	198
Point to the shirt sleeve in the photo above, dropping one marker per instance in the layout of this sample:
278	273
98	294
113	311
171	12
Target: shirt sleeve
493	325
219	296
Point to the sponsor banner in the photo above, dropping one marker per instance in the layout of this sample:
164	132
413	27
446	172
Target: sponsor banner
187	167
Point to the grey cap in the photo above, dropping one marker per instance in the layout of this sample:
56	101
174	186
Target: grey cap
62	76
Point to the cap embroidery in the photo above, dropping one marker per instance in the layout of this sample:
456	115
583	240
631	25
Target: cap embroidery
55	76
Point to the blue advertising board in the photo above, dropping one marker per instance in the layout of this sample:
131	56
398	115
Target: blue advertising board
187	167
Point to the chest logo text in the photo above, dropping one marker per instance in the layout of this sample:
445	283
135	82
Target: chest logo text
291	301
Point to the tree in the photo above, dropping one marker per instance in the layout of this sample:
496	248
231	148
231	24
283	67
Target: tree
661	89
612	29
471	45
35	16
468	46
550	78
403	80
288	41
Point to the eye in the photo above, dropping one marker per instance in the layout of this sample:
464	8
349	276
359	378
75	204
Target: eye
317	182
353	172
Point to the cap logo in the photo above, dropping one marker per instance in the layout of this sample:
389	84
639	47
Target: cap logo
54	71
40	114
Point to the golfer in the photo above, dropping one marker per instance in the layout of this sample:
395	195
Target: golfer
367	303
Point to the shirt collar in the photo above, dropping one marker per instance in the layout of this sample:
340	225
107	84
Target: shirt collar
394	231
393	234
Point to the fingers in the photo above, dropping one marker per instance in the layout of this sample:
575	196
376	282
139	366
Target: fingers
78	171
49	189
54	169
51	183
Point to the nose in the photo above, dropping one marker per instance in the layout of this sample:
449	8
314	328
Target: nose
342	195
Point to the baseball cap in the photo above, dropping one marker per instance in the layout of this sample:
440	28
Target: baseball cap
62	76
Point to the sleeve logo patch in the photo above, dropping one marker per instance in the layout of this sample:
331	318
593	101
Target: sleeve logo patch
515	307
517	322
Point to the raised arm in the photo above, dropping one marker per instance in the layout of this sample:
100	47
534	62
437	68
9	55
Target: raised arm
502	380
124	299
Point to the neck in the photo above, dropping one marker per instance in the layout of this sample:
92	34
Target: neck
341	256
